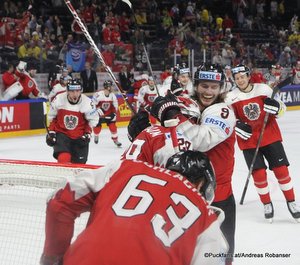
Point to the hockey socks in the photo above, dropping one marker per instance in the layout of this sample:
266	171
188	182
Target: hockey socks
261	184
285	182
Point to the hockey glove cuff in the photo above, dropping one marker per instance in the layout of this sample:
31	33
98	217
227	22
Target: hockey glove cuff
271	106
243	130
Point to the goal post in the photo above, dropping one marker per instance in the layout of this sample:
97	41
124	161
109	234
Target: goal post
25	187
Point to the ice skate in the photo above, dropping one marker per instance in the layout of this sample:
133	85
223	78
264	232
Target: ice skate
96	139
117	143
269	211
294	209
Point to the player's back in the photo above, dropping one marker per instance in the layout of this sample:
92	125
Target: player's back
144	216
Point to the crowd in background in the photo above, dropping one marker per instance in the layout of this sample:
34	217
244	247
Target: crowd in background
42	32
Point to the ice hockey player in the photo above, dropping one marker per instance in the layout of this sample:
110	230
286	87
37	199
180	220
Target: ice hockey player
251	102
214	135
29	87
107	105
72	116
154	144
59	87
181	82
140	214
146	96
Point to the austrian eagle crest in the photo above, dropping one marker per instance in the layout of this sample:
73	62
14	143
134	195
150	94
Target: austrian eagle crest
252	111
71	122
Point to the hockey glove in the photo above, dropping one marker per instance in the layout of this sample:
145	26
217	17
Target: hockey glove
165	108
176	87
111	117
51	138
86	138
271	106
243	130
138	123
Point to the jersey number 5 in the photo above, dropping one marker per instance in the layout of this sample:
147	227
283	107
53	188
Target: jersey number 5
179	224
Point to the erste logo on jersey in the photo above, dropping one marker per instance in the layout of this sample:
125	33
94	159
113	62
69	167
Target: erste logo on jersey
220	123
105	105
252	111
70	122
204	75
151	98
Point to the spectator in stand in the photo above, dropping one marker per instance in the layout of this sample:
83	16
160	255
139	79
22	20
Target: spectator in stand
53	74
228	80
124	24
227	22
107	105
285	59
115	35
228	55
126	79
176	47
89	79
106	33
217	58
167	72
296	73
274	8
108	55
140	17
274	76
257	76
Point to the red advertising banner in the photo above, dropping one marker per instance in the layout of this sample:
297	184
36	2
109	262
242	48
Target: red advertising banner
124	114
14	117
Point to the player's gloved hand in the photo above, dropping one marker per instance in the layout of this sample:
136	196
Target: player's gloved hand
111	117
243	130
51	138
100	112
21	66
137	123
86	138
165	108
51	260
271	106
176	87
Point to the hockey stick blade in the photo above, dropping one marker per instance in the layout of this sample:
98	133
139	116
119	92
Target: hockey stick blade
128	3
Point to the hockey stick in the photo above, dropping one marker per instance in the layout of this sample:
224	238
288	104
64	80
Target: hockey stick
98	53
172	124
142	43
45	117
285	82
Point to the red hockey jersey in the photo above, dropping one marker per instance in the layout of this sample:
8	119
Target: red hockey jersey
249	108
140	214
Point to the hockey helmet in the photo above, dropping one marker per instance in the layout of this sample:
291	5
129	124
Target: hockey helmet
196	167
241	68
73	85
107	83
189	108
209	72
180	69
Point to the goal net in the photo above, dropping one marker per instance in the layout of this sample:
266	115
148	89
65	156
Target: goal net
25	187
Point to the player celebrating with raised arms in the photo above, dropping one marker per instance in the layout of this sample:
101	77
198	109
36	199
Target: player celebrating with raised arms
107	106
140	214
251	102
72	116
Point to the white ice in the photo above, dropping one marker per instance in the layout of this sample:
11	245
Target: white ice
254	235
